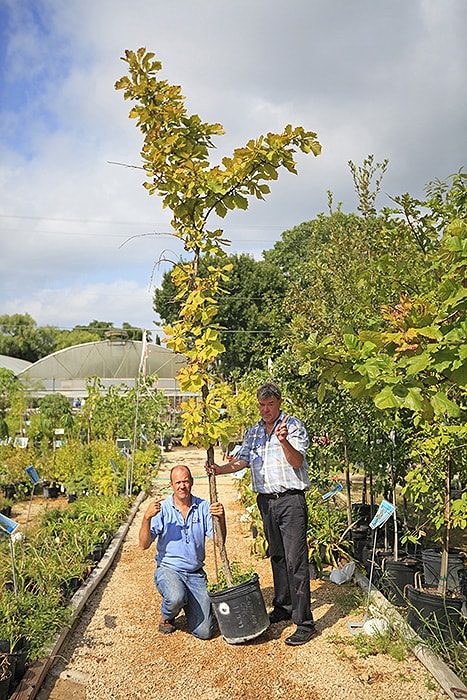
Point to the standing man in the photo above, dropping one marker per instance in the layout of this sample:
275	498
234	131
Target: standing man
275	450
181	524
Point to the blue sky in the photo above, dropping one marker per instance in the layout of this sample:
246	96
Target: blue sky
370	77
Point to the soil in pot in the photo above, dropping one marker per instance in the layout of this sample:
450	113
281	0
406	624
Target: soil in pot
433	615
240	611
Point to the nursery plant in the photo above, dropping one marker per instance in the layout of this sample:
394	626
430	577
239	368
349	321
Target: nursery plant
175	156
416	364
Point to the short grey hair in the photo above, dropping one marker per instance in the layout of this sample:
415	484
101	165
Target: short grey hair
267	390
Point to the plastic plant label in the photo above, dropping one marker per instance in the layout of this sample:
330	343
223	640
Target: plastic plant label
383	513
7	524
33	475
330	494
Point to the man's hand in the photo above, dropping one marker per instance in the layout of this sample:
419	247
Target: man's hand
153	509
212	468
217	509
281	431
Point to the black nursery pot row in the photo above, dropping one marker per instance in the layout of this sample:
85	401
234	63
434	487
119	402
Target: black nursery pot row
13	662
429	613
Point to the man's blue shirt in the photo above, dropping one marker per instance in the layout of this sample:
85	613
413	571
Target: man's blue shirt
181	543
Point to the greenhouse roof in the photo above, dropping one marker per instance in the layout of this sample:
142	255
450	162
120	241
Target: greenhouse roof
113	361
13	363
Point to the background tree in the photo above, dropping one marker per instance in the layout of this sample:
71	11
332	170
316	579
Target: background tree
250	325
21	337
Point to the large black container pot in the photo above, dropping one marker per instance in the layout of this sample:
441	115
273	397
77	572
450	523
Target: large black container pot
5	685
240	611
50	490
396	575
433	615
431	559
359	535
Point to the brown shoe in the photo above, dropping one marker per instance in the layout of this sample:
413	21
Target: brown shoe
166	626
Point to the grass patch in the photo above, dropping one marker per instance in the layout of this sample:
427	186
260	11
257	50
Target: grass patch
349	599
389	644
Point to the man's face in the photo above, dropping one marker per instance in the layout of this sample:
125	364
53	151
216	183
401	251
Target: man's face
269	408
181	483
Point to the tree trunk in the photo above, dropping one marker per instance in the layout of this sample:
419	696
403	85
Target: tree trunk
443	574
218	537
348	487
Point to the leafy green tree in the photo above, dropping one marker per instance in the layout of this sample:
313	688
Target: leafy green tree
111	414
416	363
21	337
251	328
54	412
9	385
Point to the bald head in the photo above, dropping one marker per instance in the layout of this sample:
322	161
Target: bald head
180	471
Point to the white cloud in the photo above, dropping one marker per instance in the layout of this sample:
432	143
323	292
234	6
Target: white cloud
382	78
118	301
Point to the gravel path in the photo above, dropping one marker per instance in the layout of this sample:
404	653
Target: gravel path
117	653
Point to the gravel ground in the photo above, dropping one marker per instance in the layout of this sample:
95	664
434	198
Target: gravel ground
117	653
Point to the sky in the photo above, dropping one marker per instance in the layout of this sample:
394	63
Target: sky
385	77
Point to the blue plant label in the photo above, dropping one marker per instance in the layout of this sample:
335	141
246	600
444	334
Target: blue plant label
330	494
113	466
7	524
383	513
143	437
33	475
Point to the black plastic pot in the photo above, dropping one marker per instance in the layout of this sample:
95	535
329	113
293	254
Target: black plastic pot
431	559
433	615
72	497
6	510
5	686
240	611
20	652
359	536
9	490
396	575
50	490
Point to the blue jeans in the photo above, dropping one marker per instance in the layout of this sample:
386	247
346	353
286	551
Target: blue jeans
181	589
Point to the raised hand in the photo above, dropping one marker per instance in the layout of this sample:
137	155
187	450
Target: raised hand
281	431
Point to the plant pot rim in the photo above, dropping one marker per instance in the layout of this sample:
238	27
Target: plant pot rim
434	594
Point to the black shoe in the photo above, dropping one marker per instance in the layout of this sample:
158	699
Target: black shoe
278	615
167	626
302	635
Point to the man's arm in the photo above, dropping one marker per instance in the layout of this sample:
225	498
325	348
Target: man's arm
228	468
145	537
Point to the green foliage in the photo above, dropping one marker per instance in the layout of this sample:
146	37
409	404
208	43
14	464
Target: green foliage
239	575
54	412
53	551
111	414
176	153
388	643
252	328
20	337
327	531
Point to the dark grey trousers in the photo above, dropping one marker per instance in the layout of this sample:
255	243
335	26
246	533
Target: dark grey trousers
285	522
